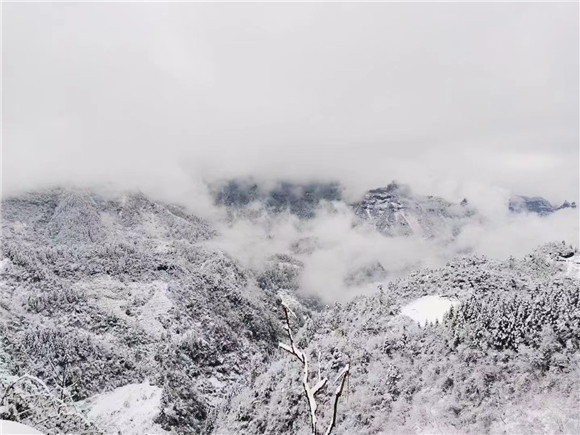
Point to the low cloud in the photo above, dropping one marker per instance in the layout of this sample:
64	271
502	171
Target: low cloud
342	245
166	97
459	100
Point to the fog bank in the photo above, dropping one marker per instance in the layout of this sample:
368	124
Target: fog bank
164	97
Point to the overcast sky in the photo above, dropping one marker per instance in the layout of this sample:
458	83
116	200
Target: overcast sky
441	96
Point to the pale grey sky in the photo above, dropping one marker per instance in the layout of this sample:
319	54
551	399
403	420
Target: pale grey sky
439	95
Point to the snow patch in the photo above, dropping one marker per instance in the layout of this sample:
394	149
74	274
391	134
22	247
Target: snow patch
428	308
157	306
570	266
573	266
413	223
126	410
139	304
14	428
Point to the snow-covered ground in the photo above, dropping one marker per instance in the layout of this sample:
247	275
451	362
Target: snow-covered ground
570	266
126	410
146	301
428	308
14	428
573	266
158	305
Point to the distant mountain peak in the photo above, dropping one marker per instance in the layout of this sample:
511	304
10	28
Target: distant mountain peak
301	200
535	204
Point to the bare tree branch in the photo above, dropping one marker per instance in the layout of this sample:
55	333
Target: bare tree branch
308	390
301	356
344	374
321	384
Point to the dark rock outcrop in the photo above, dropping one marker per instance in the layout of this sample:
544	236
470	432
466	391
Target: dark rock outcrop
536	204
301	200
528	204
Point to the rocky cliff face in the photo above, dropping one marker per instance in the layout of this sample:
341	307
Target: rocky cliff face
301	200
395	211
536	204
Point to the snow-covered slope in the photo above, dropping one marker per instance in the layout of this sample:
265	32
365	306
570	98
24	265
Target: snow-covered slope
121	304
464	375
97	293
128	410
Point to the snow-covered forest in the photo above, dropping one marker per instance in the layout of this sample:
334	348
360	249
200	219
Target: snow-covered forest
134	320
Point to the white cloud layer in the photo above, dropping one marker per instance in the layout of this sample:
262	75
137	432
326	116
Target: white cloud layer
161	96
342	246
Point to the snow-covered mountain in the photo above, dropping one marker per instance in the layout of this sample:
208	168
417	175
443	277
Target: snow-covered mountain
138	323
536	204
301	200
98	293
395	211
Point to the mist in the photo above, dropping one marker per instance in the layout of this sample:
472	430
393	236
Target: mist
164	95
476	100
339	246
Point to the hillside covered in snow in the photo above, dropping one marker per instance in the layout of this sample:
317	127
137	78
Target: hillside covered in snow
136	317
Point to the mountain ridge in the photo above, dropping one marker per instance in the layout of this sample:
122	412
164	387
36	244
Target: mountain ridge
137	300
393	210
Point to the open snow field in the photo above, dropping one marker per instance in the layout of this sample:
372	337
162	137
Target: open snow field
428	308
127	410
